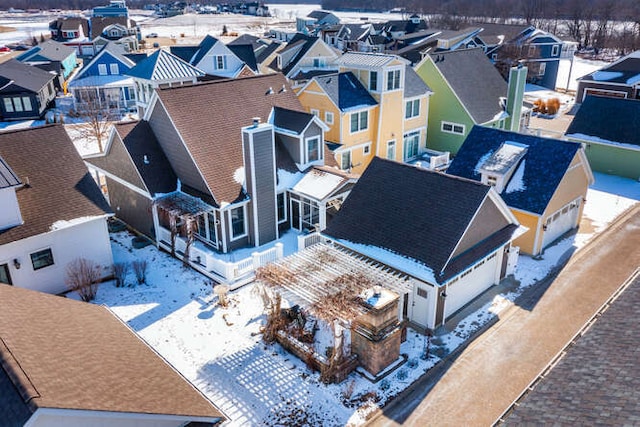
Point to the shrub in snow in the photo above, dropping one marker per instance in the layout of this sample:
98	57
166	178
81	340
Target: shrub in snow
401	375
347	392
82	276
120	272
140	270
384	385
412	363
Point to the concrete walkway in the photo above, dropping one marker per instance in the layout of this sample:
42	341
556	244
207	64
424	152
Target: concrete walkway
484	380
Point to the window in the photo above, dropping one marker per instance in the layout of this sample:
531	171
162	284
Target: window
373	80
359	121
532	50
8	105
449	127
42	259
5	278
328	117
393	79
391	150
494	56
114	69
237	223
26	101
17	104
319	62
422	292
315	112
411	145
345	160
542	69
555	49
102	69
282	207
220	62
366	149
313	149
412	109
492	180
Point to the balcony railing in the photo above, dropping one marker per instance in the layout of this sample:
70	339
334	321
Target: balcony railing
204	259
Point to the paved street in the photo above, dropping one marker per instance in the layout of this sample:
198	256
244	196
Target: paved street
478	386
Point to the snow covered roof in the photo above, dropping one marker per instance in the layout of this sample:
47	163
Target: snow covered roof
541	164
320	183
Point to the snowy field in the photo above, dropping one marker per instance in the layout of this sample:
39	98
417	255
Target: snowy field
220	349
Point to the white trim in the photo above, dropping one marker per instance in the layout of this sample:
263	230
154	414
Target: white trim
242	205
120	181
586	91
368	121
326	117
453	125
31	252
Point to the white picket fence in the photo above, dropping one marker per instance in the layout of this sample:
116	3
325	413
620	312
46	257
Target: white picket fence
206	262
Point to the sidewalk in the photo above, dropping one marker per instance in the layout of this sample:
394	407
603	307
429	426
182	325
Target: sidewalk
478	385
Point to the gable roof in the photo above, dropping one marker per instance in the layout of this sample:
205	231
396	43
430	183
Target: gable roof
318	183
302	42
105	368
494	34
295	121
50	50
413	212
245	39
405	25
60	186
99	23
263	53
162	65
544	164
213	135
203	48
626	70
147	156
184	52
112	50
244	52
413	84
354	32
25	76
346	91
474	79
609	119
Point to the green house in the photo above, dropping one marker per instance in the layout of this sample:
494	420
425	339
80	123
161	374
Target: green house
469	90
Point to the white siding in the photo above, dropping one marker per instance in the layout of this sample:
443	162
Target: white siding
10	212
89	239
233	64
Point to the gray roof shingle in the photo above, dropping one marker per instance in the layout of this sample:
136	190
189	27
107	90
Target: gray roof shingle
475	81
25	76
413	84
346	91
610	119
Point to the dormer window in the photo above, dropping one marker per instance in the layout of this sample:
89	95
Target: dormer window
373	81
393	80
506	164
492	180
313	149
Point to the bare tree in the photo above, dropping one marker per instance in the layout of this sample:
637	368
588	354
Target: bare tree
96	120
83	276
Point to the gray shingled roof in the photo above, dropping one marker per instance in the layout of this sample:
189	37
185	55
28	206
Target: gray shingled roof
413	84
50	49
626	71
414	212
610	119
346	91
8	177
295	121
25	76
474	79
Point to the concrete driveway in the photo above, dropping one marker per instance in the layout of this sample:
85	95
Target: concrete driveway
491	373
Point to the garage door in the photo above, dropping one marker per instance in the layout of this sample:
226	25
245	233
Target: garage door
560	222
471	283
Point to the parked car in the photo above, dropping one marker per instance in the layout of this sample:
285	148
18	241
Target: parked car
152	35
4	49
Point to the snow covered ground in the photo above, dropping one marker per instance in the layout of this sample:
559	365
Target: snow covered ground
220	349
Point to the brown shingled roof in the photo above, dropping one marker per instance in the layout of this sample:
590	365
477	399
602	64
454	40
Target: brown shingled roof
210	116
74	355
60	186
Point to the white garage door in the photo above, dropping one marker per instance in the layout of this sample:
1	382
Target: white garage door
560	222
475	281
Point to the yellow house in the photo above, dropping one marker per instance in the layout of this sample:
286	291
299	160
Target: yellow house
543	181
376	105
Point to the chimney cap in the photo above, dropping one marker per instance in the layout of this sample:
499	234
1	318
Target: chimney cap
256	121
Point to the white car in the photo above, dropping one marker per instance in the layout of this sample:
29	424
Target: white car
152	35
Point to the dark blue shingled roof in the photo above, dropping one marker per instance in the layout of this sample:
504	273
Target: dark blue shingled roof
205	46
546	162
611	119
346	91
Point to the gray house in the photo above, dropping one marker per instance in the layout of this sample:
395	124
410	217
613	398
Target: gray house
25	91
620	79
219	177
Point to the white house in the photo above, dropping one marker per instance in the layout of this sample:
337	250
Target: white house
52	210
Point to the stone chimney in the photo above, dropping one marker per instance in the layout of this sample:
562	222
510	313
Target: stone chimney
259	153
515	96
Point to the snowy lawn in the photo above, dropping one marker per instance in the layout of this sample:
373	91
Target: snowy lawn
220	349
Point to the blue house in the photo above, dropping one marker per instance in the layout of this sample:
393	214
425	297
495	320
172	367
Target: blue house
51	56
114	8
103	80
